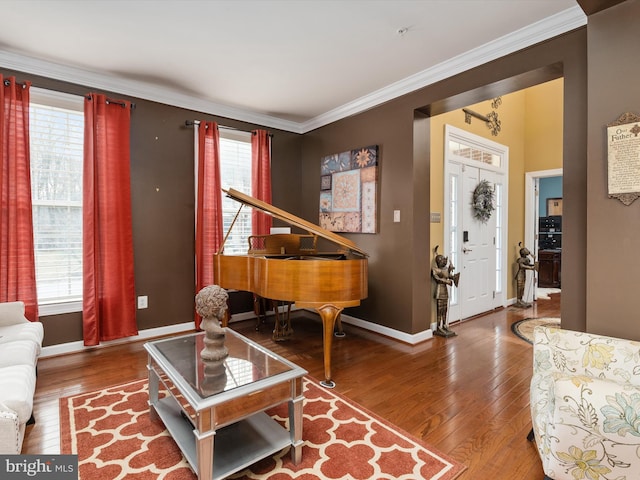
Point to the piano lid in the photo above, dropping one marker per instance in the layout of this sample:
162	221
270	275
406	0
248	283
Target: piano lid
293	220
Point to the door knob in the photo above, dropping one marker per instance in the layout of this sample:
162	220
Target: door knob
466	250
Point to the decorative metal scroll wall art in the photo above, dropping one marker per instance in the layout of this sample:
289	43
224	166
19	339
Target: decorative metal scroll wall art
348	191
623	158
490	119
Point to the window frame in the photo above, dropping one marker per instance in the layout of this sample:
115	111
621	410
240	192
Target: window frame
55	99
245	137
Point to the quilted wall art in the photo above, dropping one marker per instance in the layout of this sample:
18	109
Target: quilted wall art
348	191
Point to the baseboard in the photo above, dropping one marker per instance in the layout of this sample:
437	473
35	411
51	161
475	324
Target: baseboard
409	338
74	347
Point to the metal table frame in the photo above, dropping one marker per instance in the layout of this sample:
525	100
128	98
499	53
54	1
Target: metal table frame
235	415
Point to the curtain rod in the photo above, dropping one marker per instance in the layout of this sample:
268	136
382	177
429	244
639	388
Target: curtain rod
115	102
8	82
190	123
471	113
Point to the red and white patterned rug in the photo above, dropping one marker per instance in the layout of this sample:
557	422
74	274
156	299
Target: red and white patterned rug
114	437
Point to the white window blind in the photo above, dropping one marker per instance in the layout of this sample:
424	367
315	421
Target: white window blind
56	134
235	172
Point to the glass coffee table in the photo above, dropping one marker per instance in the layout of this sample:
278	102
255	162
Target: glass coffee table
199	401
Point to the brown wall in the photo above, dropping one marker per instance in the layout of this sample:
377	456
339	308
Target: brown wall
399	282
399	262
613	228
162	197
390	271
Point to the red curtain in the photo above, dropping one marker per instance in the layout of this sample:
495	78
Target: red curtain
108	277
260	179
209	233
17	254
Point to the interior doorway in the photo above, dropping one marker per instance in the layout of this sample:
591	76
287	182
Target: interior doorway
535	208
532	130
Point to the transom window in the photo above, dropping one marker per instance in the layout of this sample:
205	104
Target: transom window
474	152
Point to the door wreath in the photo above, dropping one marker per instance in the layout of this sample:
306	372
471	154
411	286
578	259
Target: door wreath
483	201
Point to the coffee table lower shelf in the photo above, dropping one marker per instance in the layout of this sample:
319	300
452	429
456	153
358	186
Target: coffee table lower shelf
236	446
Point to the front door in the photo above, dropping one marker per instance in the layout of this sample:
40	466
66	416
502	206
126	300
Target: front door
475	246
478	259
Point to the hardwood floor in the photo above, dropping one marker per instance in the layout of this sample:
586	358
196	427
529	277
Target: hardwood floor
467	396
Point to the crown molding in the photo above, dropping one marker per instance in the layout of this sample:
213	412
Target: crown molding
550	27
137	89
560	23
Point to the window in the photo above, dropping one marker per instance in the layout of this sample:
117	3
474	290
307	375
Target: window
475	153
235	172
500	253
56	130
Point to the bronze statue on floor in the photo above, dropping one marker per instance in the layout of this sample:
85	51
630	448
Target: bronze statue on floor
524	263
443	275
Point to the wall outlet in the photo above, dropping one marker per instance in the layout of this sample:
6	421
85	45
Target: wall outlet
143	302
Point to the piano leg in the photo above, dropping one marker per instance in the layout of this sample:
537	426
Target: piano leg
282	327
260	309
224	322
339	333
328	314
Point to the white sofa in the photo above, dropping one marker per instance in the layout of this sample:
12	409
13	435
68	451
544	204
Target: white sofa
20	346
585	405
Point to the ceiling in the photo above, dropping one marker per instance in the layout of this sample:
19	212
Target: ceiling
287	64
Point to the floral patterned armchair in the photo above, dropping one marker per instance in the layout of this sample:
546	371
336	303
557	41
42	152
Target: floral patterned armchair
585	405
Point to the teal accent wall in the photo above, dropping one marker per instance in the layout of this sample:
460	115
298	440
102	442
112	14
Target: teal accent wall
549	187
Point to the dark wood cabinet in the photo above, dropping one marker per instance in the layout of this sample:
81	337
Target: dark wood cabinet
549	268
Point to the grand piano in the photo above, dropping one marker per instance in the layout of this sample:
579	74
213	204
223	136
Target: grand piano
325	282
